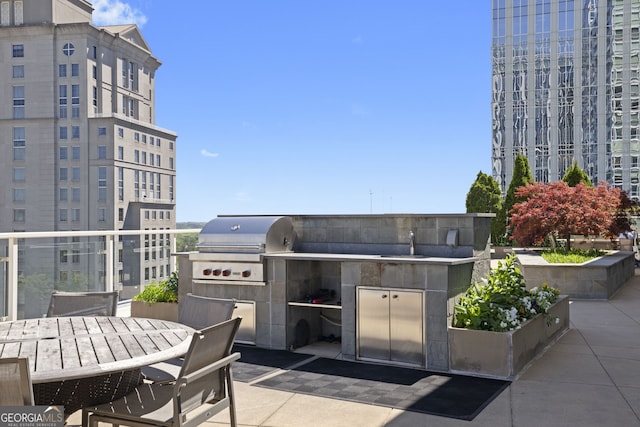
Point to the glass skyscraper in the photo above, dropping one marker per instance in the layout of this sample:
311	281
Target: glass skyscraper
565	87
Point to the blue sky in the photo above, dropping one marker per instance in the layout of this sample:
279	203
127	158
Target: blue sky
319	107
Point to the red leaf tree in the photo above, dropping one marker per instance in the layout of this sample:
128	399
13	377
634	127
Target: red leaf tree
560	210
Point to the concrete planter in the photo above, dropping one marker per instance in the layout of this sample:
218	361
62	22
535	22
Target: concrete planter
599	278
155	310
504	354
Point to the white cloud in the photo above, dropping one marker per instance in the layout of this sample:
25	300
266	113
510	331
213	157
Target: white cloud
115	12
206	153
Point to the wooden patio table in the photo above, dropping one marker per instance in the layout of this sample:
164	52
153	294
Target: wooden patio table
82	361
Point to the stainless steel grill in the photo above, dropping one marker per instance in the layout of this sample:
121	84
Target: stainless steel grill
231	249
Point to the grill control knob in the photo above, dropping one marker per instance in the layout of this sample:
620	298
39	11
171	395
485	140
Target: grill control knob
206	271
217	272
227	272
246	273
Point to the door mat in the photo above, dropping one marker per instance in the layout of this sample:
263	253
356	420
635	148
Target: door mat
453	396
257	362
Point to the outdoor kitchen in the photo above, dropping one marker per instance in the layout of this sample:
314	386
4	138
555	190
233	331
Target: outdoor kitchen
382	287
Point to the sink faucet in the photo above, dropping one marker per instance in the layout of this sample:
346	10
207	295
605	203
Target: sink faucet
412	242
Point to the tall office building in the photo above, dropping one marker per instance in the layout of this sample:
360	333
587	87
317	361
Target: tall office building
565	87
80	149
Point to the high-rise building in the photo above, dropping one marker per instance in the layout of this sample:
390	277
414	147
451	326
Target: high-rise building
80	149
565	87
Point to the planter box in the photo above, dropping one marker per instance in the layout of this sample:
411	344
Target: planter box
599	278
155	310
504	354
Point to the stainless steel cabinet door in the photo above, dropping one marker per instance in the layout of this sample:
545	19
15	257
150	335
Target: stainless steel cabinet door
373	324
406	327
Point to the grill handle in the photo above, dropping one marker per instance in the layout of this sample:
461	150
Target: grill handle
257	246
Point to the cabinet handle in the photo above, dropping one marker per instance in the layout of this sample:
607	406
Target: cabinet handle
384	296
395	296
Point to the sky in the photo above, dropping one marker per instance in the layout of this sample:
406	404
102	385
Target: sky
319	107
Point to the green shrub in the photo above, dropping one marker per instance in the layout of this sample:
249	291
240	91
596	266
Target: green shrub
502	302
572	256
165	291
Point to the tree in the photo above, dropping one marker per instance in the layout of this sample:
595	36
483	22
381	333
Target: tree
561	210
485	196
521	176
575	175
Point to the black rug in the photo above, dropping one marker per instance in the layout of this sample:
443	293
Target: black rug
453	396
256	362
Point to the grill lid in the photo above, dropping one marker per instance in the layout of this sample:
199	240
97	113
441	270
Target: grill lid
247	234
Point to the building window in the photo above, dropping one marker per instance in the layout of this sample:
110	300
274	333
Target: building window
62	100
136	137
18	102
171	166
63	174
144	157
75	132
75	174
19	215
136	156
75	215
75	194
75	70
94	53
63	215
158	163
18	71
19	195
102	183
102	214
64	255
120	183
152	159
19	174
63	153
120	214
18	12
102	131
144	139
94	72
75	256
120	153
158	142
75	101
75	153
121	132
68	49
63	132
63	194
18	50
62	70
5	19
102	151
19	144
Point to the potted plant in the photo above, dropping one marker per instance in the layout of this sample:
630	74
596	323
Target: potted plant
500	325
158	300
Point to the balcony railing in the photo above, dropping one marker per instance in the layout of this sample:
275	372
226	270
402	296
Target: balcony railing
33	264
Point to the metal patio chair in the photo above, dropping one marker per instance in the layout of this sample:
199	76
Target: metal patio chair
83	304
203	388
198	312
15	382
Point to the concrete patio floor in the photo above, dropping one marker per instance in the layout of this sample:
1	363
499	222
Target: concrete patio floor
590	378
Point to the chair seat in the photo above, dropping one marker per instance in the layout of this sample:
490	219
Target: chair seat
151	404
163	372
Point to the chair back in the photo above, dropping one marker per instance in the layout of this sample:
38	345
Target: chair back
83	304
207	346
201	312
15	382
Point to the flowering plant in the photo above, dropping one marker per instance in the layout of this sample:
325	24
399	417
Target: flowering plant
502	302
